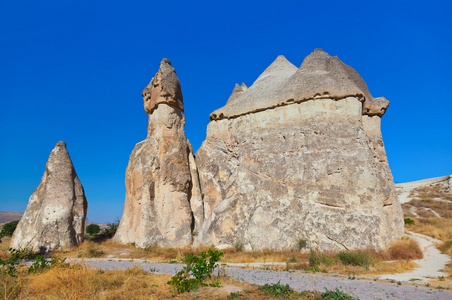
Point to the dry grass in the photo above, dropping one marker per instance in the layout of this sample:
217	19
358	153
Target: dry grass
4	245
440	229
405	249
437	191
162	254
296	259
77	282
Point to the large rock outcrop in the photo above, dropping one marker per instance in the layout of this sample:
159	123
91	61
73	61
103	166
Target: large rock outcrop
56	212
299	155
163	203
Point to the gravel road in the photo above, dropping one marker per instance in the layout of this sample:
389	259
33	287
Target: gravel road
362	289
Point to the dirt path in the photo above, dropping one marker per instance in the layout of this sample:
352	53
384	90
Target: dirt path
360	289
430	267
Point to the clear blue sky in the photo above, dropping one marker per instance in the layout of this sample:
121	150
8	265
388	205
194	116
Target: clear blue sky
74	70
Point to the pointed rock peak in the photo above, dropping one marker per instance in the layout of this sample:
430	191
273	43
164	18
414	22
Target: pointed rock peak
236	92
60	145
56	212
243	86
237	88
279	65
315	61
166	67
163	88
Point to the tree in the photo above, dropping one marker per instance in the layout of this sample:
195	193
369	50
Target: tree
92	229
111	228
8	228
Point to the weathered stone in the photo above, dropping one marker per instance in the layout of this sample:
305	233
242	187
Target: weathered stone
163	88
56	212
295	157
319	77
163	203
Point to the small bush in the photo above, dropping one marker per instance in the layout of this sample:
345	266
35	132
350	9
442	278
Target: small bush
196	271
93	251
301	244
316	258
408	221
358	258
276	290
238	246
234	295
335	295
405	249
92	229
9	228
111	228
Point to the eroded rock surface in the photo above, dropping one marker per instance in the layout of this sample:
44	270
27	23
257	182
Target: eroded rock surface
56	212
299	156
163	203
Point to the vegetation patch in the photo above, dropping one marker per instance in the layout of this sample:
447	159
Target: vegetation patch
357	258
276	290
197	269
405	249
9	228
335	295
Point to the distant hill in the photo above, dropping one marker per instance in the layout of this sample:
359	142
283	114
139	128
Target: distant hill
8	216
428	198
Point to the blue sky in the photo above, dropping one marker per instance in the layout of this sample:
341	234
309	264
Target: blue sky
74	71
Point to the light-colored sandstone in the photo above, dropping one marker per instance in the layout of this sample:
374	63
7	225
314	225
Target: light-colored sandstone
163	203
56	212
295	157
320	76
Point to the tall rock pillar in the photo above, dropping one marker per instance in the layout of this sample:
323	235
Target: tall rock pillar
163	203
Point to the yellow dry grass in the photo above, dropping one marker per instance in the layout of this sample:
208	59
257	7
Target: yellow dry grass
163	254
4	245
439	228
77	282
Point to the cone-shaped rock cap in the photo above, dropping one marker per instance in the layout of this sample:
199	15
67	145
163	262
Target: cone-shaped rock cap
262	94
319	76
163	88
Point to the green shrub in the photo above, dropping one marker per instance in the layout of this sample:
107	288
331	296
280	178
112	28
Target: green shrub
8	228
234	295
335	295
111	228
358	258
316	258
301	244
197	269
276	290
9	266
408	221
92	229
40	263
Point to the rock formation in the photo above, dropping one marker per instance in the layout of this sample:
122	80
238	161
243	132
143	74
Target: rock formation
163	203
56	212
299	156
